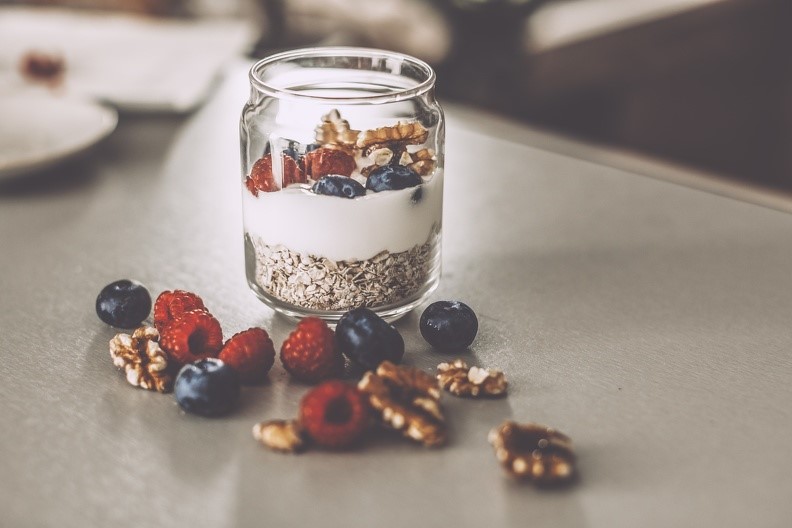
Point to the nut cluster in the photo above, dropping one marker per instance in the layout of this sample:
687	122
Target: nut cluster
461	380
144	362
408	400
281	435
380	146
534	452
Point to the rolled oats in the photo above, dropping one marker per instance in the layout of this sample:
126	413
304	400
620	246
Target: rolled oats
145	364
461	380
407	400
534	452
318	283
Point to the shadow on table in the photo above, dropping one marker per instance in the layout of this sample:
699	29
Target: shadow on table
71	176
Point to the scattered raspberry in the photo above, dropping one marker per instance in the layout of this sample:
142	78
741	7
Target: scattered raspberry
324	161
309	353
262	177
334	414
171	305
251	353
193	336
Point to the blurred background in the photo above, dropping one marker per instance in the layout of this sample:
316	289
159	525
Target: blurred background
703	83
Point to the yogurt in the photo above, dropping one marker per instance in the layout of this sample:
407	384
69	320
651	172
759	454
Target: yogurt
342	228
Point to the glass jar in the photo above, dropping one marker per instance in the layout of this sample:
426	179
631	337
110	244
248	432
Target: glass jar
342	182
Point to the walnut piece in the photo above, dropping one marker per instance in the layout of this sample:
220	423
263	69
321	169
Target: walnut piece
411	133
407	400
534	452
144	362
461	380
334	132
281	435
423	161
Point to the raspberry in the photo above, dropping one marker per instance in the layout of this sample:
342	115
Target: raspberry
262	177
309	353
334	414
324	161
171	305
195	335
251	353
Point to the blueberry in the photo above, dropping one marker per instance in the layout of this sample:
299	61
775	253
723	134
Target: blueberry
312	147
366	339
449	325
342	186
124	304
207	387
392	178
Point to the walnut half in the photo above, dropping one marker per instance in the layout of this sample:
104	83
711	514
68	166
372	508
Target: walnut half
144	362
534	452
407	400
461	380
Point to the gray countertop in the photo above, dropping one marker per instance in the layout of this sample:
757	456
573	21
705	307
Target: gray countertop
647	320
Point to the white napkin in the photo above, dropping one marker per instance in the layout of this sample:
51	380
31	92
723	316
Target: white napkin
133	62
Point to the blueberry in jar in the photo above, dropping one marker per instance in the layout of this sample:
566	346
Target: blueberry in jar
449	325
208	387
341	186
392	178
124	303
367	339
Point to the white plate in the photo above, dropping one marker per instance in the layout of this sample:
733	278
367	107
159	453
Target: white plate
37	131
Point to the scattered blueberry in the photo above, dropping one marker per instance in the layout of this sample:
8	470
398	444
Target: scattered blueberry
392	178
449	325
366	339
416	196
207	387
342	186
124	304
311	147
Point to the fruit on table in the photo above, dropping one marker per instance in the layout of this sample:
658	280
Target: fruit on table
171	305
195	335
366	339
207	387
124	303
334	414
310	354
449	325
251	353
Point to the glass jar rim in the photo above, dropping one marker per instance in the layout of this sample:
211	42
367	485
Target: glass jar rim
396	94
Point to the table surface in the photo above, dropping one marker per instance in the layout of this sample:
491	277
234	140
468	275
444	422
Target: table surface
647	320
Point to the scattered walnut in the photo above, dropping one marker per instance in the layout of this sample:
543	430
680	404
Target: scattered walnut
535	452
406	399
280	435
334	132
144	362
412	133
461	380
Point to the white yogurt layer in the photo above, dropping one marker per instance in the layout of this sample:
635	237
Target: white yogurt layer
342	228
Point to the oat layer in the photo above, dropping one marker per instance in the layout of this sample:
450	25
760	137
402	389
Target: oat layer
318	283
